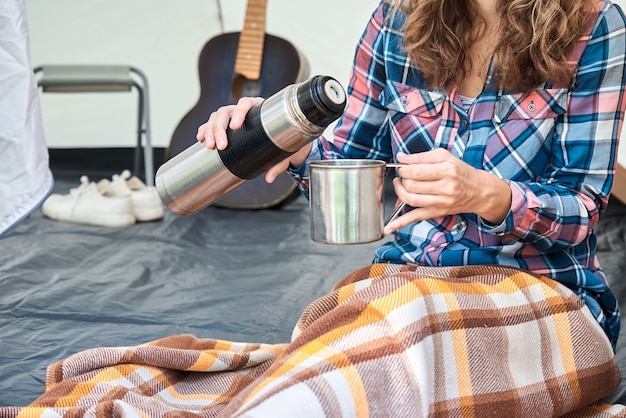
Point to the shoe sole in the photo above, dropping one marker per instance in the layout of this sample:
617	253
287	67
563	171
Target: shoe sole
148	215
102	220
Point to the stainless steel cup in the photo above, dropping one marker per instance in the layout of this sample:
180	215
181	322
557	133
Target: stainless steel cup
346	200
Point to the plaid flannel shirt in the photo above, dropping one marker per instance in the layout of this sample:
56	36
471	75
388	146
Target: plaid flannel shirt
555	145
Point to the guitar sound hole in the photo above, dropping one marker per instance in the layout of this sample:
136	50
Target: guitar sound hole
244	87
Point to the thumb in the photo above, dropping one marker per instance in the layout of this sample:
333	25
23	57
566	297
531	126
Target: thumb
426	157
408	159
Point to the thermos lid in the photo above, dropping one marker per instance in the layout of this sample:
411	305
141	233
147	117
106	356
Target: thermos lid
322	100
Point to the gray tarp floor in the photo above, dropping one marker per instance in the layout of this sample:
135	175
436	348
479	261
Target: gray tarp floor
239	275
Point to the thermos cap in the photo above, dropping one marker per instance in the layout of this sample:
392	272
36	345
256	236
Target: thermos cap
322	100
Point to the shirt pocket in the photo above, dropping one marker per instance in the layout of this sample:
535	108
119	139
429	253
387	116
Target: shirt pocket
521	146
414	115
532	105
410	100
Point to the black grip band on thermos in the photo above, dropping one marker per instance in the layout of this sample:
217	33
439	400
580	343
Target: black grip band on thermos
250	151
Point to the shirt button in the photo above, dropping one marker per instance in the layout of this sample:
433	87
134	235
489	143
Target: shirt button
464	123
532	107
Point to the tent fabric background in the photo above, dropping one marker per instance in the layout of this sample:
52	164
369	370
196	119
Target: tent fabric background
25	178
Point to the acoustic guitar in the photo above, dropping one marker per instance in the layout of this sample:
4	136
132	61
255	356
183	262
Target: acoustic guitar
242	64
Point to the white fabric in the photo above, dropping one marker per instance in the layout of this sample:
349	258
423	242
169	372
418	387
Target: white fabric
25	177
467	101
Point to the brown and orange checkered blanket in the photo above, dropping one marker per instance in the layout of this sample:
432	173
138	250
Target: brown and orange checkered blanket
388	340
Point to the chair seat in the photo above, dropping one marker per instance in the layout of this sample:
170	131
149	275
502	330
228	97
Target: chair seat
86	78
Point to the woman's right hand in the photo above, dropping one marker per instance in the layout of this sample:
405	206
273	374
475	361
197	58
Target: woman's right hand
213	133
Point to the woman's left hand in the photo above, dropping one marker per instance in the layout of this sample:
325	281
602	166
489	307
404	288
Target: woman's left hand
436	183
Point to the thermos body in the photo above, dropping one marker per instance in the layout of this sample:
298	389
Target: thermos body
272	131
193	179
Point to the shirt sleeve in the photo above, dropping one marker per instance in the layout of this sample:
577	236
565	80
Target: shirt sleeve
361	131
560	209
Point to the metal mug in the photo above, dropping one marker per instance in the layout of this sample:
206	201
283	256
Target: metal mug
346	200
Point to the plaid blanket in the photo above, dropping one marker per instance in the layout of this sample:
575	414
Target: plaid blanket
388	340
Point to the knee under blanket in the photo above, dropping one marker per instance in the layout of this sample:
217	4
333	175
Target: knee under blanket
388	340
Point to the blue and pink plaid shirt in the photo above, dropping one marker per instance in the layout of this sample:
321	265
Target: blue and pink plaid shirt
556	146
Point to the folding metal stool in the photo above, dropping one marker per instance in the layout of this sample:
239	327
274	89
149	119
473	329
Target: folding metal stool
61	78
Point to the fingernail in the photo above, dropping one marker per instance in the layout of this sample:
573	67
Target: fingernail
221	143
235	121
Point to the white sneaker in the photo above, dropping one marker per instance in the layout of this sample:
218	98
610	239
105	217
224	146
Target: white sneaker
85	204
147	204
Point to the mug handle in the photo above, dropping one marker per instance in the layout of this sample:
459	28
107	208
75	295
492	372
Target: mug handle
401	205
395	212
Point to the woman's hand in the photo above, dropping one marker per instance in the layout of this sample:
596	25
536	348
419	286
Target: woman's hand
213	133
436	183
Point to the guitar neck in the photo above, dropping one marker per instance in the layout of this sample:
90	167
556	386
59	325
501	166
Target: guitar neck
251	39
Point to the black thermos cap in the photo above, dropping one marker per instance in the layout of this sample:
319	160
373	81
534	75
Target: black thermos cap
315	102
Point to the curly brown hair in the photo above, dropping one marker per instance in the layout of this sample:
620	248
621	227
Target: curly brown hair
535	37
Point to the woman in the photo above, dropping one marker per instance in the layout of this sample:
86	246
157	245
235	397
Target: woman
507	115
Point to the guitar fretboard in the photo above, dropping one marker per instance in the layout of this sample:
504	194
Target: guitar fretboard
251	39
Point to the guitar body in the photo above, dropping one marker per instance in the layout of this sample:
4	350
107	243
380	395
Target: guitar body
282	65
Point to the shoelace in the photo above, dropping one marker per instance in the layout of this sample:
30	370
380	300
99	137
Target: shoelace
84	185
125	175
131	183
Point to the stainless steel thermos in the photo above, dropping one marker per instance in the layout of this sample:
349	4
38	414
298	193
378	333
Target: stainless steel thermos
273	130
